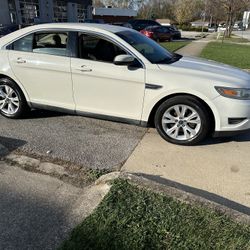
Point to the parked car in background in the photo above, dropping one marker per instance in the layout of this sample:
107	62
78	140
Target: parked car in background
158	33
140	24
101	21
222	27
6	29
117	24
238	26
212	27
176	34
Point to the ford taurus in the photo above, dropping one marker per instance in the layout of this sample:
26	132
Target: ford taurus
115	73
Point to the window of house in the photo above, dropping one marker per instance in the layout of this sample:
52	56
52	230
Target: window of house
29	10
60	11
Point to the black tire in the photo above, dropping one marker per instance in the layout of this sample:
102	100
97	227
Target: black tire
197	106
23	107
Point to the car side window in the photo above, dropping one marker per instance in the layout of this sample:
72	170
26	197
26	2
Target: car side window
52	43
96	48
23	44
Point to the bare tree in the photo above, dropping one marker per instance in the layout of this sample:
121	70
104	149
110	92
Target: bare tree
230	10
156	9
186	10
98	3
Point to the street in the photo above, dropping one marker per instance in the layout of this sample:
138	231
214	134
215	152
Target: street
243	34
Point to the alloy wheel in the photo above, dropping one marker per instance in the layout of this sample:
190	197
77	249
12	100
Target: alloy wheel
9	100
181	122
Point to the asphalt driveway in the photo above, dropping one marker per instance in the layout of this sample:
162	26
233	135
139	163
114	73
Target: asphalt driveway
86	142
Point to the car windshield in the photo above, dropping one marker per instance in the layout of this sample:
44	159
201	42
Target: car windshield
155	53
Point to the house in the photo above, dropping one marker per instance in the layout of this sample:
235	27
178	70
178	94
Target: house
43	11
165	22
199	23
114	15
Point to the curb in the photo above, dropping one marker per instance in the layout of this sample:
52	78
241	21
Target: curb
185	197
79	177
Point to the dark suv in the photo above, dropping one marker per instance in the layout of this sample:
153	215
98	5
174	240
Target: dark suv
6	29
140	24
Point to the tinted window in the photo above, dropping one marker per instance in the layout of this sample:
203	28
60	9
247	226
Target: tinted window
166	30
153	23
50	43
23	44
160	29
147	47
98	49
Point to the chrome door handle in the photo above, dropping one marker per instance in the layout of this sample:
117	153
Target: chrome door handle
84	68
20	60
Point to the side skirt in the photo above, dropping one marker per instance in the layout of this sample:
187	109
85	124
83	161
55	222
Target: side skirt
90	115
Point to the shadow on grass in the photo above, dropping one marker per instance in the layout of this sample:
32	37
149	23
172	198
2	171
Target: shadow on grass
198	192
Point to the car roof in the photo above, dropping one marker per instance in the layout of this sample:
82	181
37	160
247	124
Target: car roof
153	27
70	26
107	27
141	20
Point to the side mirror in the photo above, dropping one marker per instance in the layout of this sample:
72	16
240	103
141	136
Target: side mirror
124	60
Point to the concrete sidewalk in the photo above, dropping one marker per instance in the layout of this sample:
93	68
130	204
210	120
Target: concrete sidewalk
219	170
195	48
38	211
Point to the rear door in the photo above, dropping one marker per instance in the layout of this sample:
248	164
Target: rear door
40	61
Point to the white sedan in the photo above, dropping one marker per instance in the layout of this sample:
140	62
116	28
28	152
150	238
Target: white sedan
115	73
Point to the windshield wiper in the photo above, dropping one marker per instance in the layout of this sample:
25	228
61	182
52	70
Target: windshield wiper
176	57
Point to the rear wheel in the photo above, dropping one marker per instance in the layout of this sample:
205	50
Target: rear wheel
12	100
183	120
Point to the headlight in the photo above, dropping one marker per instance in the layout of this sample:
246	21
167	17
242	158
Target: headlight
236	93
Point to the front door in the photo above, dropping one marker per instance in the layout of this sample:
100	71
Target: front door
102	88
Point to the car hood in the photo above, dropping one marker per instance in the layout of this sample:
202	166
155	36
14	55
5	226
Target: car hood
210	70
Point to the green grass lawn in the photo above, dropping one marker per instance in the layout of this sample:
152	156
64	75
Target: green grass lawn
132	218
173	46
233	54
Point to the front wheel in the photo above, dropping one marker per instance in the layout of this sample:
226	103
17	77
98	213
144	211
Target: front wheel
182	120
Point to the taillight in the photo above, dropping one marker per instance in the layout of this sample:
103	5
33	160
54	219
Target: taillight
148	33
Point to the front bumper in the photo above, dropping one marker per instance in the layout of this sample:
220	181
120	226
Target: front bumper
231	109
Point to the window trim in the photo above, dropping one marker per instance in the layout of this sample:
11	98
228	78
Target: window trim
72	52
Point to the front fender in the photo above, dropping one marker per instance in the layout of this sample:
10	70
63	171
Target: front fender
150	102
